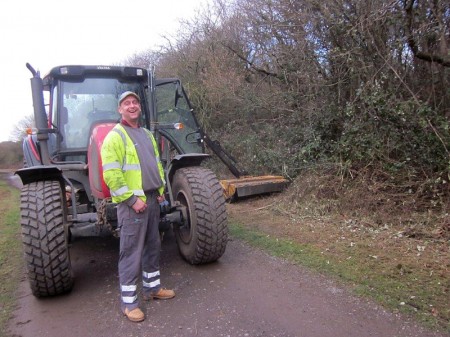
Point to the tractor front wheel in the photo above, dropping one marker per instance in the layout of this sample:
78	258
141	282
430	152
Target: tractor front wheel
203	236
45	240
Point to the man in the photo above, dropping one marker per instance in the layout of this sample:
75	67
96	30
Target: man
134	174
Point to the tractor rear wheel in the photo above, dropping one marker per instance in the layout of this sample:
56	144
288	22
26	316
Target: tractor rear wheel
45	240
204	235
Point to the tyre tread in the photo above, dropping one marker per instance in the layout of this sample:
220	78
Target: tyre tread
43	238
210	211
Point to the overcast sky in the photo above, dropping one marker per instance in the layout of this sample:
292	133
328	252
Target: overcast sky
48	33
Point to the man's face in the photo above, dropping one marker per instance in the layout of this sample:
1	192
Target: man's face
130	109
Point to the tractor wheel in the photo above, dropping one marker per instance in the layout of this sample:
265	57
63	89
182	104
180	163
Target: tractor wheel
44	238
204	235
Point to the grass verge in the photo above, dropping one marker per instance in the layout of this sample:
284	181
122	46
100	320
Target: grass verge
398	287
10	250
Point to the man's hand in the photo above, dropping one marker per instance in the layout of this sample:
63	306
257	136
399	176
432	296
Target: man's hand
139	206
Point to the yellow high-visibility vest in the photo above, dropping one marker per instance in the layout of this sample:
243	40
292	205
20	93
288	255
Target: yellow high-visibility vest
121	166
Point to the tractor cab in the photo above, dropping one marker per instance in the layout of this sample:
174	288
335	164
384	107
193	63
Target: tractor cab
78	103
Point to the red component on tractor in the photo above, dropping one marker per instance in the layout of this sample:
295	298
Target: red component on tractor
98	186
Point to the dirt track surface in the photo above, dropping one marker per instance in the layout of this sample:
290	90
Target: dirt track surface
245	293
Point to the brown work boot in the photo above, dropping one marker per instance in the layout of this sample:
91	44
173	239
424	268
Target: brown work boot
161	294
135	315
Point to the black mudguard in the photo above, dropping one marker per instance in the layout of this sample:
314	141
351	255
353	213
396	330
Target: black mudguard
39	173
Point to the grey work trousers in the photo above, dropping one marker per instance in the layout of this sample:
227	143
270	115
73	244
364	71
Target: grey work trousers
140	247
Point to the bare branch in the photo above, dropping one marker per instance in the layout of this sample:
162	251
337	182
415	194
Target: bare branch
429	57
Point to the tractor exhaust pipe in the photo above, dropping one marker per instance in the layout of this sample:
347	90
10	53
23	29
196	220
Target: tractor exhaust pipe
40	115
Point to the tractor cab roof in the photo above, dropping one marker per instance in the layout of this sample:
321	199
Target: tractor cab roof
77	73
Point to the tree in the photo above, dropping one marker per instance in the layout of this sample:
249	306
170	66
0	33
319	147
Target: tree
20	129
290	84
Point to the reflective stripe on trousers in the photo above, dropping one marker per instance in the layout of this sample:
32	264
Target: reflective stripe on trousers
151	281
128	293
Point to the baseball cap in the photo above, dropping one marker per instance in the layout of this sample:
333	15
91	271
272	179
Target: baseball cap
126	94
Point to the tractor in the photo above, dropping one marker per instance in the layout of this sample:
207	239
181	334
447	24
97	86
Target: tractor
63	192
